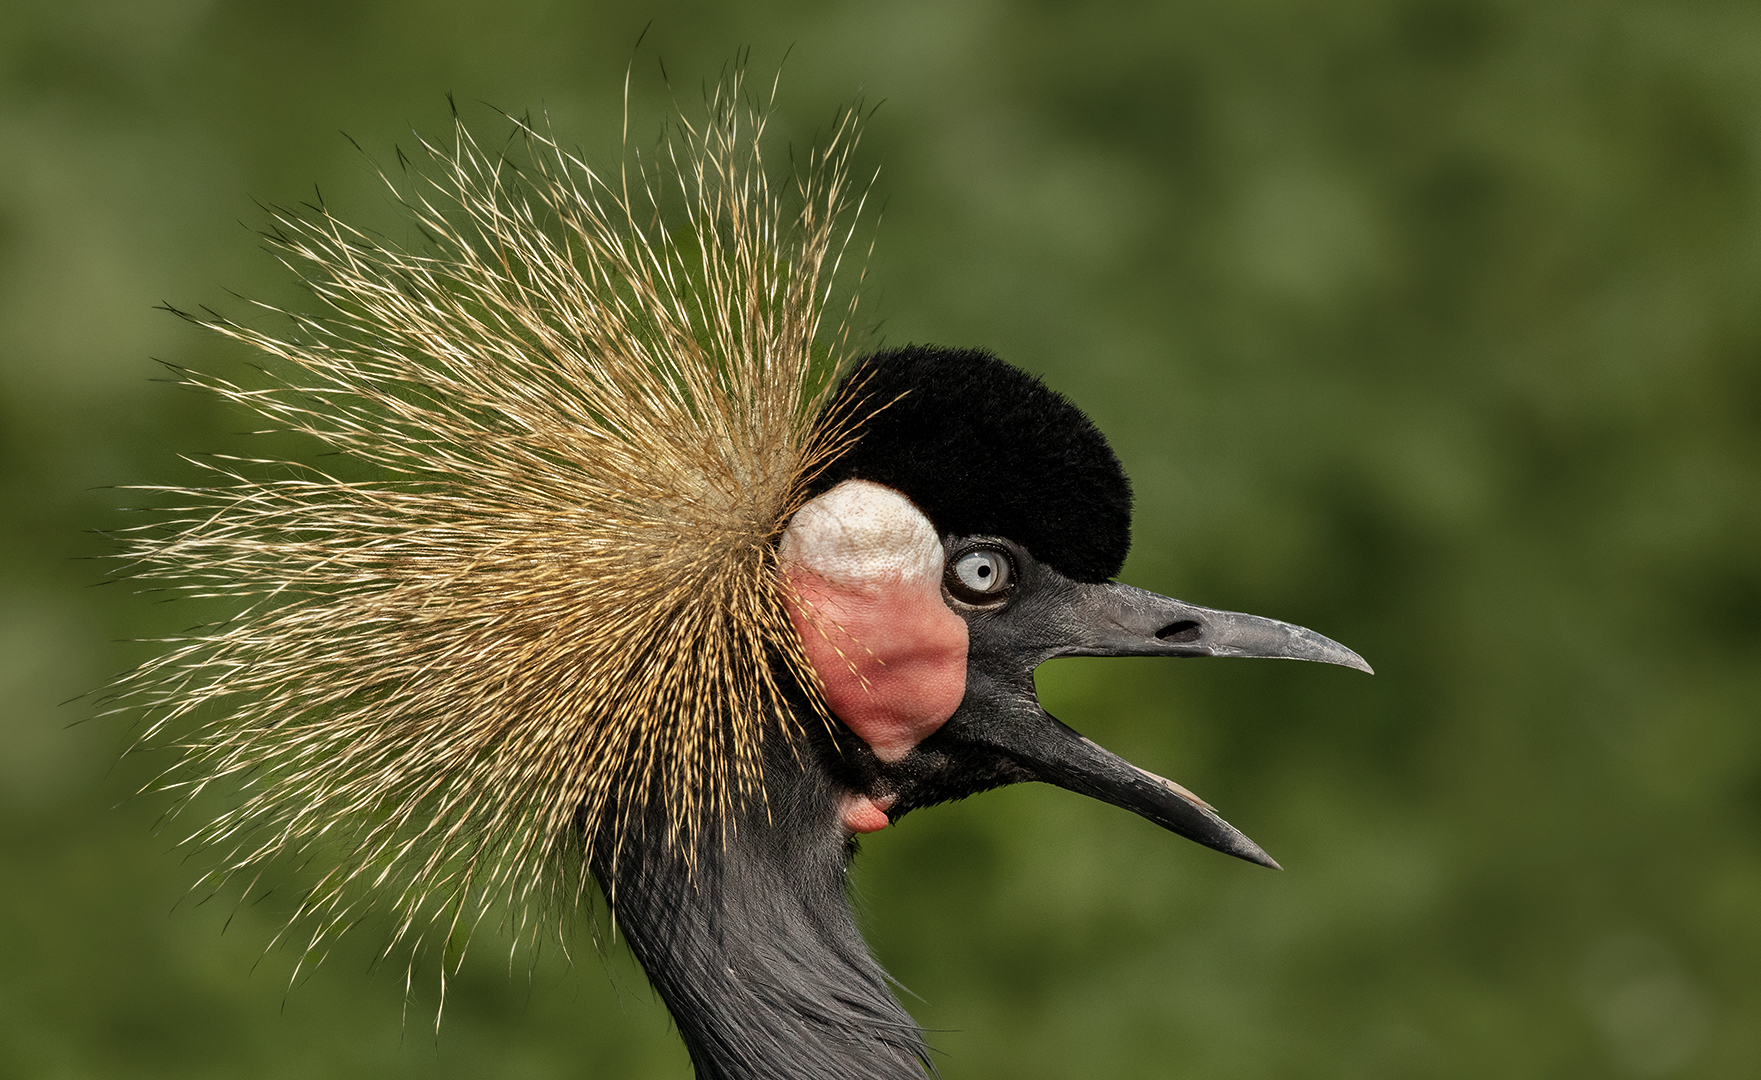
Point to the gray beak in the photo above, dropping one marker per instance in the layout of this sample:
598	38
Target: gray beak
1110	619
1118	620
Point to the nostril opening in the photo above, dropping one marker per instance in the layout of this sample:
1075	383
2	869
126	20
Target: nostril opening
1184	630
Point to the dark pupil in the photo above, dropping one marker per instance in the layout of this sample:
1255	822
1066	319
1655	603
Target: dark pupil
984	571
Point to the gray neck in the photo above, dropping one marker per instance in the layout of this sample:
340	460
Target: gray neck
756	953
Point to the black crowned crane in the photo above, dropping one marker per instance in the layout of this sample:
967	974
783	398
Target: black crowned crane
623	577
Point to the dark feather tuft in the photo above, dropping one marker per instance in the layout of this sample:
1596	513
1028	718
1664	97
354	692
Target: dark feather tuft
983	448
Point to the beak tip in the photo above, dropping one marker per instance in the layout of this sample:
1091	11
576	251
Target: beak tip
1232	841
1329	651
1253	853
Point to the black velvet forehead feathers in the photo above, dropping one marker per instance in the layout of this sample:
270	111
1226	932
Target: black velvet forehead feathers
983	448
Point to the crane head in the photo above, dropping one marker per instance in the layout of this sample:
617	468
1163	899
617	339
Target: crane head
968	535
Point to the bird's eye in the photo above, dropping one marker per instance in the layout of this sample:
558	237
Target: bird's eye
981	575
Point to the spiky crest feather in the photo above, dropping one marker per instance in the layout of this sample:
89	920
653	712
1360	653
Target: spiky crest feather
589	405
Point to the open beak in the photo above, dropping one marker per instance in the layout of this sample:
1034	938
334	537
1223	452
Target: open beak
1110	619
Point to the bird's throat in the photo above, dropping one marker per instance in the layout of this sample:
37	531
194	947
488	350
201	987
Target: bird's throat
754	948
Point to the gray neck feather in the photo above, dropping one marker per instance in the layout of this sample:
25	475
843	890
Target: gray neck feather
755	951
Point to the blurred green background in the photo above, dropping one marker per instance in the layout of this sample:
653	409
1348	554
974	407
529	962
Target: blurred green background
1430	324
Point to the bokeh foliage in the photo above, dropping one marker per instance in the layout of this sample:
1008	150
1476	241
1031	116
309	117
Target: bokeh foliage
1434	325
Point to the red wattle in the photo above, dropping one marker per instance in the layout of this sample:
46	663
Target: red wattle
861	814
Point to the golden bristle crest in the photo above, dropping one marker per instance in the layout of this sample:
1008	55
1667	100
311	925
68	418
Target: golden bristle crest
587	405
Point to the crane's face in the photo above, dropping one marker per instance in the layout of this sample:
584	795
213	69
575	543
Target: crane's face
925	646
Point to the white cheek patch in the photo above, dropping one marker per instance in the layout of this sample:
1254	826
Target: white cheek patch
863	534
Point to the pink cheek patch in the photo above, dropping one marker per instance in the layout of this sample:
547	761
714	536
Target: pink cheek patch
864	568
892	659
